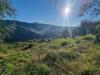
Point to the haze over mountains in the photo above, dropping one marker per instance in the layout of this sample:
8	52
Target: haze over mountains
22	31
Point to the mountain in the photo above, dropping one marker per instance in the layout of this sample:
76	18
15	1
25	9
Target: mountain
23	31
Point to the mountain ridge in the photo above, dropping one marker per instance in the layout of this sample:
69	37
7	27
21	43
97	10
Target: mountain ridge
23	31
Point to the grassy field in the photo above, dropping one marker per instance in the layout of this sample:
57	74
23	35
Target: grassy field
51	57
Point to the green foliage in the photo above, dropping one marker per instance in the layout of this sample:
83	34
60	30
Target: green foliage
38	69
6	8
62	42
90	5
55	57
28	69
89	37
98	28
98	33
70	55
7	69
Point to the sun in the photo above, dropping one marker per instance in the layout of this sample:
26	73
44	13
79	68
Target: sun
67	10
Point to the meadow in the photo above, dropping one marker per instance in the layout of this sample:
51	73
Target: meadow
59	56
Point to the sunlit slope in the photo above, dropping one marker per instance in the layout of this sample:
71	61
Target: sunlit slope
51	57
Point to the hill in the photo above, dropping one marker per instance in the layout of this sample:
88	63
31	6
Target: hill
22	31
53	57
26	52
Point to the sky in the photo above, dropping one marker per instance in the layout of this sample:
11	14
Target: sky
45	11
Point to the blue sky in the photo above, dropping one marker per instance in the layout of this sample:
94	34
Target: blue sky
44	11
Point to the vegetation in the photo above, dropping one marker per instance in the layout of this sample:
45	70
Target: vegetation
59	56
89	5
12	30
98	32
55	57
6	8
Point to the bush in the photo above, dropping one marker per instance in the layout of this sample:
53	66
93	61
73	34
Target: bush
89	37
98	37
90	71
28	69
70	55
78	40
53	56
38	69
7	69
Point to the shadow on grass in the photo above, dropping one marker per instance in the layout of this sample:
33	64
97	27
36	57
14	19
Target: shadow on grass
97	41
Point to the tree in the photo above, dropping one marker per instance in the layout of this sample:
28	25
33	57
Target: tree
6	9
98	32
98	28
90	6
89	27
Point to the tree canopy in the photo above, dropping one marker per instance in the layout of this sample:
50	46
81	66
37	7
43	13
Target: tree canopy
6	8
91	7
98	28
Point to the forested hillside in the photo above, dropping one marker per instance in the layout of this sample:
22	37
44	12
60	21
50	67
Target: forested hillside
23	31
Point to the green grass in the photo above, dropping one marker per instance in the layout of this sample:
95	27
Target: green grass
55	57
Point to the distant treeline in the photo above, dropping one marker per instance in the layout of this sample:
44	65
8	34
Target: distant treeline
89	27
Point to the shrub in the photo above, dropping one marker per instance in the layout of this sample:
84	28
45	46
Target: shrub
70	55
37	69
7	69
89	37
53	56
90	71
78	40
98	37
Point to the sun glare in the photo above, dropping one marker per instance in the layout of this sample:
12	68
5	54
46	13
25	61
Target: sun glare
67	10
